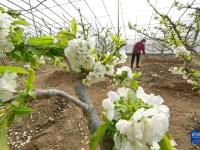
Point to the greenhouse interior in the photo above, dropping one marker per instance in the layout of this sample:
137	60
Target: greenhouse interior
99	75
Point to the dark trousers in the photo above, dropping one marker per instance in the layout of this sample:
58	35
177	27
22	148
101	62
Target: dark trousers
137	59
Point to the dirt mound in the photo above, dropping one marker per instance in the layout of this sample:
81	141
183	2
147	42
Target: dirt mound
55	124
57	78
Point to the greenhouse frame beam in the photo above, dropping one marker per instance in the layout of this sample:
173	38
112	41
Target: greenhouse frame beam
27	18
33	18
53	13
108	16
123	18
45	16
32	7
93	13
57	5
63	8
34	15
81	14
98	16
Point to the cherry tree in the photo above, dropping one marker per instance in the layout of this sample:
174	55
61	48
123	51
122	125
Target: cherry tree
179	36
131	119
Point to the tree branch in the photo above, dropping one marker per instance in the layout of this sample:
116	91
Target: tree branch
170	21
189	29
47	26
59	93
145	34
197	28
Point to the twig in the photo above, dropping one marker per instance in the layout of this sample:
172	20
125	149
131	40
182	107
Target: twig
47	26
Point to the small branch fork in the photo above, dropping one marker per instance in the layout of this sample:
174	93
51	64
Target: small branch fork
62	94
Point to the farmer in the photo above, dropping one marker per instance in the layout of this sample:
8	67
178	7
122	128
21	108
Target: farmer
137	49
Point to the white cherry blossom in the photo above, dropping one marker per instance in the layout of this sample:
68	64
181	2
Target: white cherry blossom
8	85
79	54
109	108
154	124
181	51
5	44
175	70
149	99
125	69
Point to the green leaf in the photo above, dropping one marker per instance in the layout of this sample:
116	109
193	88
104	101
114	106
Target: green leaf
122	43
3	134
134	84
42	40
74	26
2	111
12	69
13	13
165	143
17	35
137	74
22	110
115	39
108	59
21	22
96	137
96	57
18	53
30	80
37	52
66	35
2	9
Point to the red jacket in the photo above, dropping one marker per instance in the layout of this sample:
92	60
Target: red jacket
138	48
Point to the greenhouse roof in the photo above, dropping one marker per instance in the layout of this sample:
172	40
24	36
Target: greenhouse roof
56	14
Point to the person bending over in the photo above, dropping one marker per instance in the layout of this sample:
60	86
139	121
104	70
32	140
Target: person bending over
138	48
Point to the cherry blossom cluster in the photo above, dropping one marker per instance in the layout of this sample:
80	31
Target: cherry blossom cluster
141	119
8	85
82	57
5	44
181	52
179	71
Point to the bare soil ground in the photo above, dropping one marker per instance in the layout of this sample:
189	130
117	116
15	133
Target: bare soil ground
59	125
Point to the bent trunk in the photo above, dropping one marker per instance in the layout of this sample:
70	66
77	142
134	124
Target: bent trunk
92	116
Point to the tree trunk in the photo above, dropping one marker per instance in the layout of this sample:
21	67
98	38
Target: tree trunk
92	116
